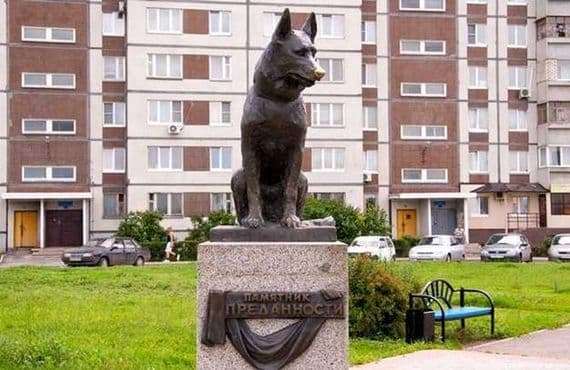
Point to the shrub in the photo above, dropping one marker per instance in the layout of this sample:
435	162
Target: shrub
188	251
378	298
201	232
404	244
541	250
374	221
143	227
156	249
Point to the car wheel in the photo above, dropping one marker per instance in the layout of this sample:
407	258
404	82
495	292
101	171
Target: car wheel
103	262
521	258
448	258
139	261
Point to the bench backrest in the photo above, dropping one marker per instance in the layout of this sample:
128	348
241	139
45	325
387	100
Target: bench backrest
441	290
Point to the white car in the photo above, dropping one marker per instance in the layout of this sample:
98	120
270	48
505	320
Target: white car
560	248
438	247
380	247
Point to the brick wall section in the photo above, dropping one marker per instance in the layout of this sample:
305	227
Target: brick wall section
196	67
307	160
196	21
196	158
196	113
196	204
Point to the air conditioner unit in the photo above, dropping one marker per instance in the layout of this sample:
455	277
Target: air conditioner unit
500	196
175	129
524	93
367	177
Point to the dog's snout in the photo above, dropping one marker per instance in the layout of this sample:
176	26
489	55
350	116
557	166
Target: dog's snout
319	73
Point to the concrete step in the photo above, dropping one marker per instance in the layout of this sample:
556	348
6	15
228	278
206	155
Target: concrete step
51	252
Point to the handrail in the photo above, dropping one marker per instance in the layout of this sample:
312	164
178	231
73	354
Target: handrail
487	295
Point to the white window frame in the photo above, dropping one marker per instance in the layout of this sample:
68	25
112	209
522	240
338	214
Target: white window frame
335	166
116	165
336	34
226	68
49	81
49	127
220	23
481	160
564	162
119	205
478	120
118	25
422	7
424	89
115	123
119	73
220	154
269	29
479	72
422	47
153	203
517	2
159	105
329	64
516	28
228	202
424	177
560	63
49	174
316	114
476	2
151	59
368	38
367	81
366	118
476	206
172	13
521	161
171	151
519	114
221	122
518	204
424	135
49	35
370	161
518	71
480	31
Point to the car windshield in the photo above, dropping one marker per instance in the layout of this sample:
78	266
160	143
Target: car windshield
561	240
434	240
105	243
365	243
506	240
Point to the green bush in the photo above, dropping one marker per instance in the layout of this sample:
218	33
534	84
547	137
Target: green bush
188	251
541	250
143	227
378	298
404	244
374	221
201	233
156	249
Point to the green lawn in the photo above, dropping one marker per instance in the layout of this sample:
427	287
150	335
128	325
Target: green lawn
126	317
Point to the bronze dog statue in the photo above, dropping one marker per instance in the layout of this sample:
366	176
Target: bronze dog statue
270	186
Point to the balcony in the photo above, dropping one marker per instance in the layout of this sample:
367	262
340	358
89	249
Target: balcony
523	221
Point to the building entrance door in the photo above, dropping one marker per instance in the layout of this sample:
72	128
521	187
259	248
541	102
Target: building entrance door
64	228
25	229
444	221
407	222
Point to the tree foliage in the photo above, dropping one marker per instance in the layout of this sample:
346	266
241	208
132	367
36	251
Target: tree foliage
144	227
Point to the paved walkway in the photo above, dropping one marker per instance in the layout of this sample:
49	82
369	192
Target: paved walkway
542	350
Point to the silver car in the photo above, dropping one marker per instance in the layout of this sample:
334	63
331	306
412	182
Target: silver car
559	248
507	247
438	247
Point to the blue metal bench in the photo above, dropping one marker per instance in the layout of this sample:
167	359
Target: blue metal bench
438	294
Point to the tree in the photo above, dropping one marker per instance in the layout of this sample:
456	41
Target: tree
375	221
144	227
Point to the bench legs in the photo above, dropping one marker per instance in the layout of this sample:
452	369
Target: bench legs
463	326
493	322
443	330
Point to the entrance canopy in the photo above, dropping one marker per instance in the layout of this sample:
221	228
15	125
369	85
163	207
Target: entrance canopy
46	196
457	195
511	188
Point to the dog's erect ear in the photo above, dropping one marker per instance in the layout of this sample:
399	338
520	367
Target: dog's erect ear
284	27
310	27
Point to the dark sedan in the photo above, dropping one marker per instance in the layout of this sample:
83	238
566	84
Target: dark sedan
107	252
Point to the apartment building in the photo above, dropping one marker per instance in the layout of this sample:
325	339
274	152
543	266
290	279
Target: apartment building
446	113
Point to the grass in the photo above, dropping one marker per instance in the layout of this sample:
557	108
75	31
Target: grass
132	318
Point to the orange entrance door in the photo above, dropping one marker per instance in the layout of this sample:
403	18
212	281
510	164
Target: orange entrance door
407	222
25	229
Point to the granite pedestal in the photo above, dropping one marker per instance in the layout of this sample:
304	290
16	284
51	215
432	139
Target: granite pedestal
306	264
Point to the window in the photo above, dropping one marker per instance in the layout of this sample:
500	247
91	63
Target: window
476	1
226	115
163	20
114	160
48	126
169	204
114	114
480	206
516	2
564	70
220	158
517	36
327	159
424	175
165	158
554	156
419	132
477	77
48	34
48	80
48	173
519	162
164	66
478	119
222	202
542	157
370	200
330	26
334	69
270	21
339	197
370	118
517	120
220	22
423	89
368	32
113	205
423	5
114	68
520	205
164	111
327	115
220	68
422	47
221	113
478	162
113	25
517	77
477	34
370	160
369	75
560	204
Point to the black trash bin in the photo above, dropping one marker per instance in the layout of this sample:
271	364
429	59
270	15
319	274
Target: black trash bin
420	325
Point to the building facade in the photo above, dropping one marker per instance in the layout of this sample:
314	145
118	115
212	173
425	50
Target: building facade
446	113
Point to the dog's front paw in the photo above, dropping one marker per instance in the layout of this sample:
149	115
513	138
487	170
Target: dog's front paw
253	222
290	221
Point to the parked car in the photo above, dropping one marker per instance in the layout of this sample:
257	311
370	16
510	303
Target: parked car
380	247
559	248
438	247
107	252
512	247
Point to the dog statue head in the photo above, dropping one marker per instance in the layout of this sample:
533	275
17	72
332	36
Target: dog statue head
288	64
